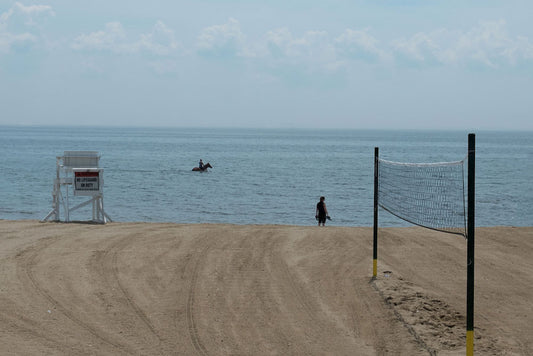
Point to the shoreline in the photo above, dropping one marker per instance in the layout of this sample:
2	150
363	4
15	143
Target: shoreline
89	222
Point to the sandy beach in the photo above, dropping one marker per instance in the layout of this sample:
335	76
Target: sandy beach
214	289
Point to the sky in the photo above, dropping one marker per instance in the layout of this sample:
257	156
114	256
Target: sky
343	64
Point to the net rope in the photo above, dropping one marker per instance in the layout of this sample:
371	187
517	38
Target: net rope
431	195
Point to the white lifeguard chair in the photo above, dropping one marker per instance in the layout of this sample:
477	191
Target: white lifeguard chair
79	169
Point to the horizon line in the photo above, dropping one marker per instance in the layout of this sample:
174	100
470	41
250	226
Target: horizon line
222	127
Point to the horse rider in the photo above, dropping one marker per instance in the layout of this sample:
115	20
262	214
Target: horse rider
201	164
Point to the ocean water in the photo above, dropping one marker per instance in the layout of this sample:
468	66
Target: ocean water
258	176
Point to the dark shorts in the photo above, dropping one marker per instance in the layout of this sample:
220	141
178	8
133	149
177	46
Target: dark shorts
322	219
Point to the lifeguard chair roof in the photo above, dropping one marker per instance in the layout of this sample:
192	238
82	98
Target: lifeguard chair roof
80	159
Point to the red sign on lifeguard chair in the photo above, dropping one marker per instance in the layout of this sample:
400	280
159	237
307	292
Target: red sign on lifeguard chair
87	181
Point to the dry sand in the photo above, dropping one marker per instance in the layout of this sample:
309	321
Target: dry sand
170	289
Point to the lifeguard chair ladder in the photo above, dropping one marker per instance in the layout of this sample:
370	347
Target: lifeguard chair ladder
79	169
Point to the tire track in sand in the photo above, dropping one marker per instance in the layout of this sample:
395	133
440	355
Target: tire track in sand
110	263
11	322
27	258
191	322
301	297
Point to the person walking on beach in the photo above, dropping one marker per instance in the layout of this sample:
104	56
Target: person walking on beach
321	212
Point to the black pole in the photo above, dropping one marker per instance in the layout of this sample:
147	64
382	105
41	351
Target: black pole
470	250
376	182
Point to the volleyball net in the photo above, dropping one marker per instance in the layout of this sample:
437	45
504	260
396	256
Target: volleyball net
431	195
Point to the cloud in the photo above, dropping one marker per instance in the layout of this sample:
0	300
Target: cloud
9	41
226	40
32	12
419	48
520	50
112	38
18	25
308	59
281	43
28	14
359	44
160	41
487	44
313	49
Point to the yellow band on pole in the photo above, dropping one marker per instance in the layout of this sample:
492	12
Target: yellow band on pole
375	268
470	343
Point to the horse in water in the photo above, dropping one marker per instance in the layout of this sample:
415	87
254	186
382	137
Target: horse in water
198	169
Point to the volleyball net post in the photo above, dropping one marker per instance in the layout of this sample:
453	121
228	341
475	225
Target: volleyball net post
376	181
470	242
431	196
